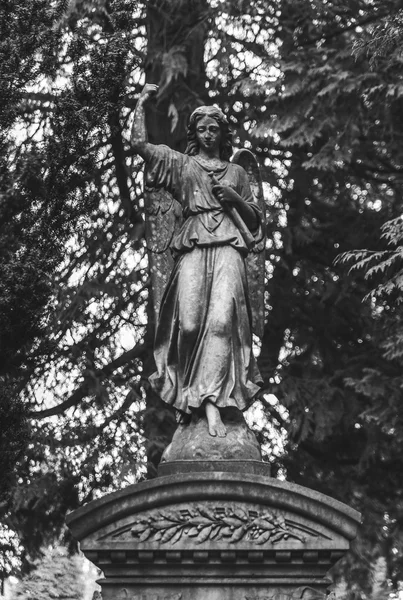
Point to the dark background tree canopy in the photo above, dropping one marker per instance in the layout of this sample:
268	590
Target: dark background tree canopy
306	87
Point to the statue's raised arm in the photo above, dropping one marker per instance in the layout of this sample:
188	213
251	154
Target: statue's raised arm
203	343
139	137
163	214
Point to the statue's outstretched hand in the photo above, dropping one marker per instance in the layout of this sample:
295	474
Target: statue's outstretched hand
150	89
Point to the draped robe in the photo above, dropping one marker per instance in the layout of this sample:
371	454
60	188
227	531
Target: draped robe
203	341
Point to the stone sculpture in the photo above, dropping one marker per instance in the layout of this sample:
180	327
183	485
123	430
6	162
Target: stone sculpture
215	526
202	207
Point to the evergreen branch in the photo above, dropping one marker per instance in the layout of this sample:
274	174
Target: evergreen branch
376	173
41	97
251	46
78	395
389	166
367	21
119	154
90	433
271	409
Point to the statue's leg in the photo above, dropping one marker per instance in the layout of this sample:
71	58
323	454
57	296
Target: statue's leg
215	425
204	334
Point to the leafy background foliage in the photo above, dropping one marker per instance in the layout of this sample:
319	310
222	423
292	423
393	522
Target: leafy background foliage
57	575
314	88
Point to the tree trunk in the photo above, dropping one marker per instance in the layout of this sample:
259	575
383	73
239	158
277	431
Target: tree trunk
177	31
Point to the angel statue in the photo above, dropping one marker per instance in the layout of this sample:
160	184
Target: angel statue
204	224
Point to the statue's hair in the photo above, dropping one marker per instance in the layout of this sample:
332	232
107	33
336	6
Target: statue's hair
215	113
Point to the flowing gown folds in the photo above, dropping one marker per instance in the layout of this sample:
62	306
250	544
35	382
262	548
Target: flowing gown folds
203	342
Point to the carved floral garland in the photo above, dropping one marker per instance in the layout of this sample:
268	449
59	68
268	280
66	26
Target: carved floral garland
207	524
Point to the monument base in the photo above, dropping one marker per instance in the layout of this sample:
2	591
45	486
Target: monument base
193	442
214	534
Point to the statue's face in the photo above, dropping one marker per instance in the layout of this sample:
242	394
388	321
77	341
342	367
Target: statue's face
208	134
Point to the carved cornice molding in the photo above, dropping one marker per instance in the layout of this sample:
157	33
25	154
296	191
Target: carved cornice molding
232	488
138	557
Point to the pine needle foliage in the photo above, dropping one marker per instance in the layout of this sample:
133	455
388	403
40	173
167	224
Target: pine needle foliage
384	265
383	39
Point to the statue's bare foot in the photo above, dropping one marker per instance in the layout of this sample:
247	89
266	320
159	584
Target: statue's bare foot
215	425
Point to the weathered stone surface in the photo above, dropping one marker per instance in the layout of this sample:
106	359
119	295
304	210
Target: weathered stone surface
204	591
214	535
193	441
199	206
250	467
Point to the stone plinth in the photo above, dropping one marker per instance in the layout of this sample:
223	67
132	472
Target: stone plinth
216	535
193	441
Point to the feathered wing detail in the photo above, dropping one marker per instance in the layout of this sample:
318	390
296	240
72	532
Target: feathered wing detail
255	261
163	216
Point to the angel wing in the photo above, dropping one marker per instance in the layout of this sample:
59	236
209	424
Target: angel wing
163	216
255	262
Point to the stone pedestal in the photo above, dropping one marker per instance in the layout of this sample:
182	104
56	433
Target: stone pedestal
192	442
222	530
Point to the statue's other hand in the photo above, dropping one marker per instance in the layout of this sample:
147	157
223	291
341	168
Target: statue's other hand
226	194
150	89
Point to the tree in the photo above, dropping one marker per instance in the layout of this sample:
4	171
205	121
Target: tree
15	75
381	41
56	575
337	119
326	129
37	211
